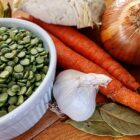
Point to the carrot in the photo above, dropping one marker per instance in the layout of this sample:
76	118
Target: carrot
101	99
68	59
90	50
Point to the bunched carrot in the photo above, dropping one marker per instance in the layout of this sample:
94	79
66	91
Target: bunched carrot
90	50
101	99
68	59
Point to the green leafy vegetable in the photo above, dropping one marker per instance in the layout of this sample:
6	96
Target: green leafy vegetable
121	119
96	126
111	120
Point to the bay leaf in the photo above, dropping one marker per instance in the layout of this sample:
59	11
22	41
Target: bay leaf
121	119
96	126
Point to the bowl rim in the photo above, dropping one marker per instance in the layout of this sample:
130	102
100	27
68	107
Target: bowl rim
27	24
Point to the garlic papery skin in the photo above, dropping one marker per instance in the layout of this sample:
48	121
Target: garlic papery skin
80	13
75	93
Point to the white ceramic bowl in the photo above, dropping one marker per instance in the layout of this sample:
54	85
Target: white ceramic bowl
30	112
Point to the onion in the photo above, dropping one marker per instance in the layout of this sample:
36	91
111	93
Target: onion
120	31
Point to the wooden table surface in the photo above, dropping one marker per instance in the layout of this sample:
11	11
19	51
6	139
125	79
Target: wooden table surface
51	128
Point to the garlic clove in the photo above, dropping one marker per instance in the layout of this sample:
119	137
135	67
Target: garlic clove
79	104
82	106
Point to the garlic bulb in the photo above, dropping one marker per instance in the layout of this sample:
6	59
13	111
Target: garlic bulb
81	13
75	93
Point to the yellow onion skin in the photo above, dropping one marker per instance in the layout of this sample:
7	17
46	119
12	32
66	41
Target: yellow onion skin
120	30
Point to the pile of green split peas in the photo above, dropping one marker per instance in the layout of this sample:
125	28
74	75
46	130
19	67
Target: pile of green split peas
23	65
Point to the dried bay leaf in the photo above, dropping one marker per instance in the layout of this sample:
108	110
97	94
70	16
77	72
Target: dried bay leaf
121	119
96	126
